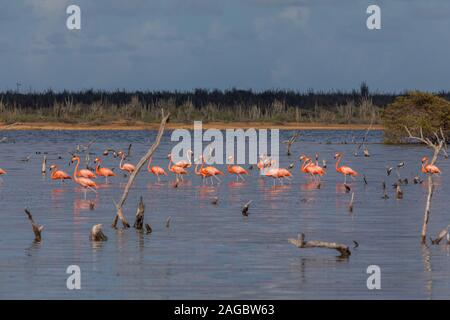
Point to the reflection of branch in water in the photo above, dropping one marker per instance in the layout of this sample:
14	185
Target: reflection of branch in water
427	269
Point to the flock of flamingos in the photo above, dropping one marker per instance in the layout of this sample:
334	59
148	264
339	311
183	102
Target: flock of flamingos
266	166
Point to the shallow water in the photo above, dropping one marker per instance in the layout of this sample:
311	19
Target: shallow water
213	252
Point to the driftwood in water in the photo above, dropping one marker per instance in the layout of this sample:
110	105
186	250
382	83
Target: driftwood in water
97	233
441	236
438	146
144	159
245	208
399	192
290	142
139	222
350	205
169	219
37	229
303	244
44	165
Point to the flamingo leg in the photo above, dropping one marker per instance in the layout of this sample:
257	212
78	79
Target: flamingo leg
345	179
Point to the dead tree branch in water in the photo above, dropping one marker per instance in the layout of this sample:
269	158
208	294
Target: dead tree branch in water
44	165
144	159
437	146
139	222
37	229
291	141
301	243
350	205
441	236
97	233
363	142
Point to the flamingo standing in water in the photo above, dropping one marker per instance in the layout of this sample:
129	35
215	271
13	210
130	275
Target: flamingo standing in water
58	174
313	168
128	167
102	171
202	171
85	173
345	170
178	171
237	170
214	172
429	168
278	174
157	171
184	163
86	183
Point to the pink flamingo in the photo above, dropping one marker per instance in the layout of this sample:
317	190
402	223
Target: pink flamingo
58	174
429	168
278	173
178	171
202	171
85	173
237	170
102	171
183	163
314	169
128	167
157	171
345	170
86	183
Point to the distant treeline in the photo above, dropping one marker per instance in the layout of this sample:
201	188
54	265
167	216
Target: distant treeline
357	106
199	98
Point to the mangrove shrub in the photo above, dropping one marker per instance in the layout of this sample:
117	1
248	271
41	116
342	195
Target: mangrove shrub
416	110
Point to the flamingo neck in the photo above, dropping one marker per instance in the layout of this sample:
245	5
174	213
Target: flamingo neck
97	168
170	162
304	164
337	163
121	162
189	158
76	170
149	162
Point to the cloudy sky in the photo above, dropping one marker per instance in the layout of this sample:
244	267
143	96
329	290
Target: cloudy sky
259	44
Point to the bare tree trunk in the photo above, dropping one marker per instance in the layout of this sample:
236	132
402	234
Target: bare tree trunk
426	215
439	145
144	159
139	222
290	142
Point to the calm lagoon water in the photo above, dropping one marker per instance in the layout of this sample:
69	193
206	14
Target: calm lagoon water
213	252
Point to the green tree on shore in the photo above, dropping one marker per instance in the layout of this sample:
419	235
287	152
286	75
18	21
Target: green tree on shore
416	110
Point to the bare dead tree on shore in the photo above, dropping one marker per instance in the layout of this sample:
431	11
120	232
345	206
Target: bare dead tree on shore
438	145
144	159
300	242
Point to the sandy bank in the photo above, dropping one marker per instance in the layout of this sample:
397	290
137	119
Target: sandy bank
153	126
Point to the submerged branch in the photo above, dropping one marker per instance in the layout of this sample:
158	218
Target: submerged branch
301	243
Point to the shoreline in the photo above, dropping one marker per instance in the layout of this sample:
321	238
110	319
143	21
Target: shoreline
136	126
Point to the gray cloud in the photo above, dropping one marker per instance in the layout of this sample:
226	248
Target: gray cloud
183	44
